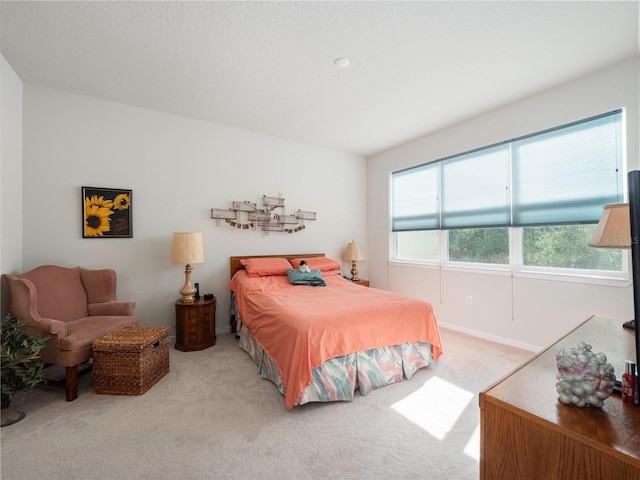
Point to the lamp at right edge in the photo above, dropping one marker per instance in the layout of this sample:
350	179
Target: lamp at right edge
619	227
614	229
353	254
634	218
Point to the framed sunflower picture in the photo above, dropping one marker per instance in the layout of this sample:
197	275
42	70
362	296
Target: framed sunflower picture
106	213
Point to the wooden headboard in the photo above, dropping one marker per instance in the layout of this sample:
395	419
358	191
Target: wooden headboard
236	265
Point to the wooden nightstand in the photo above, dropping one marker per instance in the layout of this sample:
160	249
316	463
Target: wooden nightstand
364	283
195	325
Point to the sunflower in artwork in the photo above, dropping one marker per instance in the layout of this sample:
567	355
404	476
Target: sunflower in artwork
97	220
98	201
121	202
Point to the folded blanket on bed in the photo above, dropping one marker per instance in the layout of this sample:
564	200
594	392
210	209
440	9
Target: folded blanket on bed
313	278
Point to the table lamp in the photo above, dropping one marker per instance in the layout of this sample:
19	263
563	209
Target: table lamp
614	227
352	254
619	227
187	249
614	231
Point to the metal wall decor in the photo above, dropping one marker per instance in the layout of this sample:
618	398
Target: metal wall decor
270	218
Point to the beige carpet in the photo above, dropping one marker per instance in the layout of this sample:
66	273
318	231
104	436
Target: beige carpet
214	417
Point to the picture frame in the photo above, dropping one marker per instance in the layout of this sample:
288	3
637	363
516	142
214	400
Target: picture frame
106	213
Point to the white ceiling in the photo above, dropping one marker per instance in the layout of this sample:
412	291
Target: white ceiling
268	66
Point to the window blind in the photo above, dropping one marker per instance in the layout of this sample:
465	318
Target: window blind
566	175
560	176
415	199
475	189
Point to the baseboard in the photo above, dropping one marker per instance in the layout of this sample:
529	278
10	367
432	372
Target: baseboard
492	338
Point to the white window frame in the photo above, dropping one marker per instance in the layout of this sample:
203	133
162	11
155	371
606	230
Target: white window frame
516	265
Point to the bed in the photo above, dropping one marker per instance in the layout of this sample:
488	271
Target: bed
323	343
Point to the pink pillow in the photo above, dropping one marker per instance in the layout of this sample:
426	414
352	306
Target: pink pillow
265	267
323	264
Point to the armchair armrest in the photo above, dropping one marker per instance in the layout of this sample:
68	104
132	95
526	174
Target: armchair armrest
54	327
23	304
116	308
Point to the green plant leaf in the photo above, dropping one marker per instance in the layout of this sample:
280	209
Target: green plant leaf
21	367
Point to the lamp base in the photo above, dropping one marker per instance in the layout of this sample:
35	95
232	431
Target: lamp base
354	271
187	299
187	291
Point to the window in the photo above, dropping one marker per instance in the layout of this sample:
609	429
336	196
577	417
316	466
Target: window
566	246
480	245
549	187
418	245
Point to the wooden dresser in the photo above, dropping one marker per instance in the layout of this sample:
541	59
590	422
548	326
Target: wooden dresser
526	433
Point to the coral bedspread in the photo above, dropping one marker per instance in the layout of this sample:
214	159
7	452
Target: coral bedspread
301	327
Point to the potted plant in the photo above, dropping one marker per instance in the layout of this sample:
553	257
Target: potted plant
21	367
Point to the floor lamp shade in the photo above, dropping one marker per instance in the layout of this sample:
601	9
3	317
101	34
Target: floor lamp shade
187	249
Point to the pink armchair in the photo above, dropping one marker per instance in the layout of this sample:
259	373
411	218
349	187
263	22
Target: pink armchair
71	306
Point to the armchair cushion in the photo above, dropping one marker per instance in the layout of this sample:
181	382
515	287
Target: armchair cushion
82	332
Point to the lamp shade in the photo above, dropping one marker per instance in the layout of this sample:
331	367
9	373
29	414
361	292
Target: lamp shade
614	227
187	248
352	253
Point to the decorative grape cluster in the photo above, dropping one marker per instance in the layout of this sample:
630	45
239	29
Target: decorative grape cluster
584	378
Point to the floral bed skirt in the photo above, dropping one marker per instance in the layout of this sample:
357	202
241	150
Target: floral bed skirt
339	378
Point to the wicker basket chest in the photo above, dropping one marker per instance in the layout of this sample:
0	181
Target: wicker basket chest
131	360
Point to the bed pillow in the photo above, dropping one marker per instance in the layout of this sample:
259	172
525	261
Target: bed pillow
323	264
266	267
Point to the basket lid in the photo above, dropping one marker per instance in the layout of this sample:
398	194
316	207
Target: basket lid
130	339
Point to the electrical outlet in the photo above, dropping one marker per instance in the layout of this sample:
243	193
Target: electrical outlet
469	299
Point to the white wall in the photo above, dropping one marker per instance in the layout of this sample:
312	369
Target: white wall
523	311
10	176
178	169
